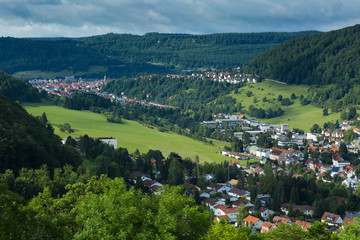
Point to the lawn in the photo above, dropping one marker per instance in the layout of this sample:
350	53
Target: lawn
131	135
296	115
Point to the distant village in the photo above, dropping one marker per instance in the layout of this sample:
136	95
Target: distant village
68	85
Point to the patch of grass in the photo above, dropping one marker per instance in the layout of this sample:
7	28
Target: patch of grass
131	135
296	115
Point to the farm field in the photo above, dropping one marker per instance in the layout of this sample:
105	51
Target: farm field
130	134
296	115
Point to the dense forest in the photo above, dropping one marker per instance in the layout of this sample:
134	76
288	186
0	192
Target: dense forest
18	90
319	59
27	142
124	54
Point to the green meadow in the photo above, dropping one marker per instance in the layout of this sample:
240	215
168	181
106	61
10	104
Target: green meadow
296	115
130	134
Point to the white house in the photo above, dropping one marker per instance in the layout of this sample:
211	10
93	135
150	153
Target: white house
221	210
253	220
331	219
239	193
350	183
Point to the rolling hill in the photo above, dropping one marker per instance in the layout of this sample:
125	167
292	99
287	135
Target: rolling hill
265	95
319	59
130	134
124	54
25	142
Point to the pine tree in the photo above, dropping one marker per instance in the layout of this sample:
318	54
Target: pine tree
43	118
290	209
294	195
257	204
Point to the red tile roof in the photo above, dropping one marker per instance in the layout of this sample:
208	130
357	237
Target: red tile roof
303	225
250	219
226	209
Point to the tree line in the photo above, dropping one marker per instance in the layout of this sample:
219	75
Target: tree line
126	54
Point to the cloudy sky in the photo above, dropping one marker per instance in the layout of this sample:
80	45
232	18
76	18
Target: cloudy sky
75	18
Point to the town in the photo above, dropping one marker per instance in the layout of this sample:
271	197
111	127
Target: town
296	156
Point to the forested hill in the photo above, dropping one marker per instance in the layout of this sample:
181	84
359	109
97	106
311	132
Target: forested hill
125	54
18	90
332	57
27	142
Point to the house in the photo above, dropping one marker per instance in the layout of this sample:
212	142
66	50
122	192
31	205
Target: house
264	198
209	202
350	183
205	194
213	186
348	221
305	209
258	170
221	210
267	227
265	213
223	216
335	171
260	153
225	153
350	170
338	161
303	225
253	220
277	220
224	197
241	157
233	182
240	201
224	189
239	193
232	154
277	155
331	219
324	168
253	150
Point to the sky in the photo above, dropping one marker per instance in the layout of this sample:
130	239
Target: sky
79	18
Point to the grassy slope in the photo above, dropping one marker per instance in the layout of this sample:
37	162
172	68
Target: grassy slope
130	134
296	115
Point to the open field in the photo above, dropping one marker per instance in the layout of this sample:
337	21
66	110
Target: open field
131	135
297	115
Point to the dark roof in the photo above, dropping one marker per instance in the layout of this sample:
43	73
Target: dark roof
237	191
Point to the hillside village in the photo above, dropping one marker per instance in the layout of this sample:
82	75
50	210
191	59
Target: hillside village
303	152
68	85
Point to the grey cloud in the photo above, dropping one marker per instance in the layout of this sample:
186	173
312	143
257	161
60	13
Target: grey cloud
86	17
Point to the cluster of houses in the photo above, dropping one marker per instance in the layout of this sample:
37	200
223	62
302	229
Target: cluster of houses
226	77
327	141
229	198
151	184
68	85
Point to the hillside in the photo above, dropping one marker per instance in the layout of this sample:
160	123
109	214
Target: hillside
265	95
27	142
130	134
124	54
319	59
17	90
